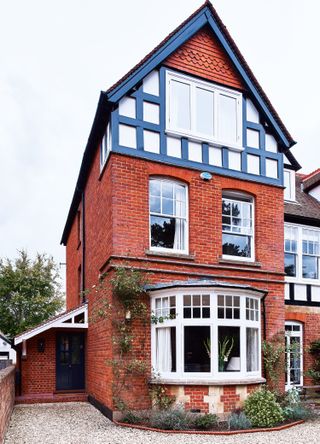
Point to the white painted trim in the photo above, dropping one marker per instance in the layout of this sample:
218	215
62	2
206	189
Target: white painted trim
217	90
213	322
292	197
57	323
297	335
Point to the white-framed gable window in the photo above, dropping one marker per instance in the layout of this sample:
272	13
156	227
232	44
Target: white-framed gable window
203	111
302	252
237	226
168	202
106	146
213	334
289	179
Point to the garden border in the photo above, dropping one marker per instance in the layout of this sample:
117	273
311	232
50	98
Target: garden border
211	432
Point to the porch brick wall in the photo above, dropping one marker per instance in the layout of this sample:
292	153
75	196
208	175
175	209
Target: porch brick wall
7	378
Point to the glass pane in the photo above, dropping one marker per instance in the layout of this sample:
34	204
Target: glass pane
155	206
227	119
204	112
206	299
155	186
76	350
187	313
236	301
206	312
187	300
252	350
236	313
196	300
180	105
226	207
234	245
221	300
229	349
167	206
229	313
197	349
310	267
196	312
290	264
162	232
228	301
220	313
167	189
172	301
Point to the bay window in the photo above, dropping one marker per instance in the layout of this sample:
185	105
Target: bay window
105	147
168	215
213	334
237	226
301	252
203	111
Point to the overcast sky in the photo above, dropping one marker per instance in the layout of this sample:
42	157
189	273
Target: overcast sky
57	55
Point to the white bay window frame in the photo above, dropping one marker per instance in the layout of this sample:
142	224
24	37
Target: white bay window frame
214	376
217	91
299	254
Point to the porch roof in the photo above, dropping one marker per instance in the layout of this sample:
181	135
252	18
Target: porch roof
66	319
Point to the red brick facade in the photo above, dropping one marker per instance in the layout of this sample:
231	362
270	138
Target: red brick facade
7	377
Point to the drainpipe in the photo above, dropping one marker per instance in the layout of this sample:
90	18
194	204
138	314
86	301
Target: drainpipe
83	243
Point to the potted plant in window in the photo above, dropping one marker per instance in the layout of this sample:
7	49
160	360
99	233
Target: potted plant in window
225	348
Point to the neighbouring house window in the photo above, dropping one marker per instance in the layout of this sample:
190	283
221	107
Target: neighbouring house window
204	111
105	146
212	334
310	253
168	215
237	226
289	180
290	250
301	252
79	226
294	354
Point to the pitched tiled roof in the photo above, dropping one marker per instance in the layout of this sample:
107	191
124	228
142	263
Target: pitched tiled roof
306	209
311	180
50	320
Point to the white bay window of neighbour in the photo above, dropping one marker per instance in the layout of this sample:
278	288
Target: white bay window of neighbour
210	335
168	215
204	111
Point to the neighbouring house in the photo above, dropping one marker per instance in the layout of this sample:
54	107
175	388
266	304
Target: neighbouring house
6	350
302	289
182	179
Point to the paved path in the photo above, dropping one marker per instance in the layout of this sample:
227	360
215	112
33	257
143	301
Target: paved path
81	423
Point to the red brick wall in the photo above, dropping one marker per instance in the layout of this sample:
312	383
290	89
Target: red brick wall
310	320
6	398
74	256
203	56
38	370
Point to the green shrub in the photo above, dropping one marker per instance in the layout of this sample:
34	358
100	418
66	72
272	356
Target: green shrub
206	421
131	418
262	409
239	421
296	412
175	419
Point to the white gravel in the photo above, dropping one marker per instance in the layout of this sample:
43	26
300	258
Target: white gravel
81	423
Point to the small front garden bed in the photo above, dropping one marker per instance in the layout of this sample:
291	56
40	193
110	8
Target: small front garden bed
263	411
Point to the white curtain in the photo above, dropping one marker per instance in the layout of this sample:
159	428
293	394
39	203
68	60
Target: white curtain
252	350
164	355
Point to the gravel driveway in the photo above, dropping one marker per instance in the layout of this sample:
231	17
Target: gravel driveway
81	423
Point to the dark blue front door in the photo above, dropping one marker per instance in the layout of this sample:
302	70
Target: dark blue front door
70	361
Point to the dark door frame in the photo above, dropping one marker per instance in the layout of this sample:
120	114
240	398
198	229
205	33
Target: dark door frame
72	373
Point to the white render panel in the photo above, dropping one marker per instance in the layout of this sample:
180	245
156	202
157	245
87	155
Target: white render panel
174	147
151	141
252	112
215	156
127	107
234	160
272	168
151	83
300	292
195	151
253	138
127	136
253	164
271	144
315	293
151	112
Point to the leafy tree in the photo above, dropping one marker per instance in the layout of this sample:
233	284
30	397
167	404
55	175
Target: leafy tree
30	292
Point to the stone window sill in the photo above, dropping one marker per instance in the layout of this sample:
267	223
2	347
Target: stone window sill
211	382
239	263
190	257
